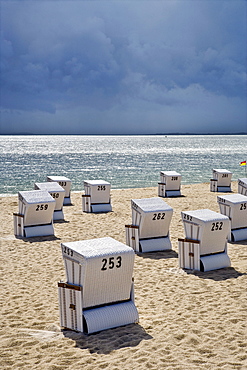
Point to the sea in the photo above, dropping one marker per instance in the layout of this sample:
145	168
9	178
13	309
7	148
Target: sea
124	161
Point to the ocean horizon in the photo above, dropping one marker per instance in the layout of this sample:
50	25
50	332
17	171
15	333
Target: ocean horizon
126	161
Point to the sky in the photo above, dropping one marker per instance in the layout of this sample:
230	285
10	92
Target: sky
123	67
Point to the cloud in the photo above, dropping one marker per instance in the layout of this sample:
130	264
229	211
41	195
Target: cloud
149	61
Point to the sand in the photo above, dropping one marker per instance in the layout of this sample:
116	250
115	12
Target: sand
188	319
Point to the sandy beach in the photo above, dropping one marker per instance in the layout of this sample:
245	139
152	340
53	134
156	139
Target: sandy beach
188	319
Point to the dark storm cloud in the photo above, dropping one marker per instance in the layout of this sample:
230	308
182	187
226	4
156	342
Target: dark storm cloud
123	67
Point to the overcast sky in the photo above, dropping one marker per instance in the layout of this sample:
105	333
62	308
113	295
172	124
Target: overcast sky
123	67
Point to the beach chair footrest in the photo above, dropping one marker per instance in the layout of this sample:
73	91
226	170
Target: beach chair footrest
215	262
58	215
155	244
224	189
101	207
107	317
238	234
40	230
173	193
67	201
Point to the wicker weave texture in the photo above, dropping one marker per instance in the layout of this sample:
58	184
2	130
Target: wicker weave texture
104	267
70	308
37	206
235	207
99	190
62	181
242	186
153	216
55	190
223	177
171	179
209	227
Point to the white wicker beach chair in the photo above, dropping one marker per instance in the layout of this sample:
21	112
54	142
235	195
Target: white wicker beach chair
65	183
35	216
58	193
221	181
205	245
99	291
242	186
169	185
149	231
235	207
97	196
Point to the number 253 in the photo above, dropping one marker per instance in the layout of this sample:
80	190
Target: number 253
110	263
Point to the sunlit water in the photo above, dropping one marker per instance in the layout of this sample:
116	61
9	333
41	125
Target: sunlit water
124	161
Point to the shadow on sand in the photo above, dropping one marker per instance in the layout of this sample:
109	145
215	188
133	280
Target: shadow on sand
217	275
109	340
40	239
157	255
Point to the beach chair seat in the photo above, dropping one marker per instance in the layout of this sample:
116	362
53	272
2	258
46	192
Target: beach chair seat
102	269
149	231
73	316
221	181
58	193
66	185
169	185
35	216
242	186
204	247
234	206
97	197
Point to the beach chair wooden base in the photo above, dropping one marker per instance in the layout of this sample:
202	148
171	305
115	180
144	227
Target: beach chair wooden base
189	257
89	207
30	231
162	192
93	319
145	245
221	189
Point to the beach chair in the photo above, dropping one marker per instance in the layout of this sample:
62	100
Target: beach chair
234	206
58	193
205	245
242	186
221	181
65	183
97	196
149	231
99	292
169	185
35	216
